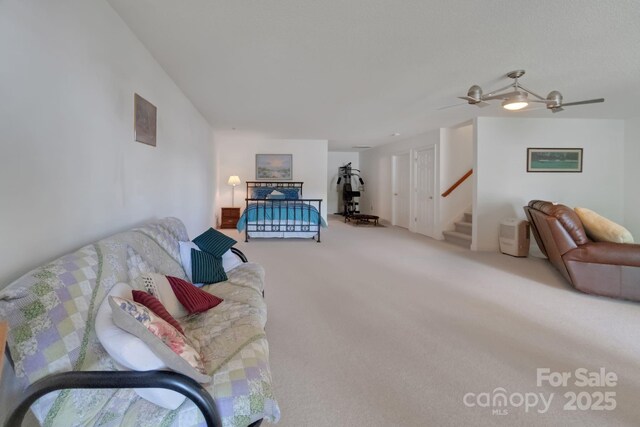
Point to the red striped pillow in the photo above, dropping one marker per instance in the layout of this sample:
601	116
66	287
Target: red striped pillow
193	299
153	304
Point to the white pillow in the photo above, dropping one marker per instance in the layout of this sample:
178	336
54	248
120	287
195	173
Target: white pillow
229	260
159	286
130	352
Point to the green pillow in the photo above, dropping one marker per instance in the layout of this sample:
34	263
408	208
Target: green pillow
206	268
214	242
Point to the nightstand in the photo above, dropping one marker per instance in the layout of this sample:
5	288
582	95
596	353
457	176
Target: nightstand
230	217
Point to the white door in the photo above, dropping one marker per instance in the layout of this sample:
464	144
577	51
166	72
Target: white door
401	189
424	191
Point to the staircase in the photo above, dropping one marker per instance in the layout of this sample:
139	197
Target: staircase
462	234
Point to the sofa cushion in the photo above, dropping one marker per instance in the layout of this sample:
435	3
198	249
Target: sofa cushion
207	268
159	286
130	352
153	304
567	217
214	242
162	338
602	229
193	299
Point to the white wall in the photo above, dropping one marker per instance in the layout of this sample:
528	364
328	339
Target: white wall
503	185
456	158
632	177
375	164
237	156
335	160
70	170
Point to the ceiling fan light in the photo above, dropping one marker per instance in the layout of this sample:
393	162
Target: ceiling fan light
514	106
516	102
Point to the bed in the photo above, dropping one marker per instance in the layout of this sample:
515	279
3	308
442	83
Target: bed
277	210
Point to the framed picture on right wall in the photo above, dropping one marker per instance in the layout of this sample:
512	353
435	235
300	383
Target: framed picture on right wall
554	159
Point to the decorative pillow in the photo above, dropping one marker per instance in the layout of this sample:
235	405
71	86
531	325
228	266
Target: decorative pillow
261	192
229	260
207	268
290	193
185	258
602	229
276	195
195	300
158	286
130	352
214	242
163	339
153	304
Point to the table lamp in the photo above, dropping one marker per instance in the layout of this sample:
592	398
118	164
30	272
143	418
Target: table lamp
233	181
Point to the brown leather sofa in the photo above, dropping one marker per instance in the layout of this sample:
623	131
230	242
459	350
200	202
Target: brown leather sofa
601	268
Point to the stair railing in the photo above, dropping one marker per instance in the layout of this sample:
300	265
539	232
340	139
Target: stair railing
457	183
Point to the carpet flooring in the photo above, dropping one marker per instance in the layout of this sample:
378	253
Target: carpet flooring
382	327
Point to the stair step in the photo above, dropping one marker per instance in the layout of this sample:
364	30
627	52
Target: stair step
459	239
464	227
468	217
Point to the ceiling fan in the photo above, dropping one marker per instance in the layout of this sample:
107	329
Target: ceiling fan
517	96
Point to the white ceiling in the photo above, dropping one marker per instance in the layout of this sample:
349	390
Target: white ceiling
356	71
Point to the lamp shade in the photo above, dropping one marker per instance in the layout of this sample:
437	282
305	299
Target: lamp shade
233	180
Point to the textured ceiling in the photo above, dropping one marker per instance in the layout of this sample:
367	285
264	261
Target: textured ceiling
356	71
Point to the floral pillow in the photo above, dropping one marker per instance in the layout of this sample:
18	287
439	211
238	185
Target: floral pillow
162	338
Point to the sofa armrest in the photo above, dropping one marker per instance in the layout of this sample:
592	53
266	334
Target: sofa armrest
117	379
606	253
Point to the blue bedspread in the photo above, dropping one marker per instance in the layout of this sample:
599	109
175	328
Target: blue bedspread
277	210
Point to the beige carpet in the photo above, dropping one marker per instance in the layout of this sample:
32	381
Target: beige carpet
382	327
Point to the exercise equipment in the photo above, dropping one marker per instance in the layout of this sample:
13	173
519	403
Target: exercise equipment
348	199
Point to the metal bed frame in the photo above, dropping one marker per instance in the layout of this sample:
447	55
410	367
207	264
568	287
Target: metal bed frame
120	379
276	226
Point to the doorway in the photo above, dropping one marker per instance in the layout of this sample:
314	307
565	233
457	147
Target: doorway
401	186
424	183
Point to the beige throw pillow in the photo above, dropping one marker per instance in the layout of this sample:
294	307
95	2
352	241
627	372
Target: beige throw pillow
601	229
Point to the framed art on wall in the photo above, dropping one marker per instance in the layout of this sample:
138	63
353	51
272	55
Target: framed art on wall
274	166
145	117
554	159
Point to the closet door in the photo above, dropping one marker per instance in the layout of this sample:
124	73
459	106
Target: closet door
424	183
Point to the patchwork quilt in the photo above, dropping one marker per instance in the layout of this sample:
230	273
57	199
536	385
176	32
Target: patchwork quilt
51	313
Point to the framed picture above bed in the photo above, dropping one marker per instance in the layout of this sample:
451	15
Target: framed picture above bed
274	166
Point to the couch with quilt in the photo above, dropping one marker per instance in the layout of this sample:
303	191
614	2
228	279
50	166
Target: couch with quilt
117	333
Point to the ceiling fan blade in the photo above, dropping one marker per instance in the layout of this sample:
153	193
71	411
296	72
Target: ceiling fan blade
470	99
452	106
589	101
556	109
